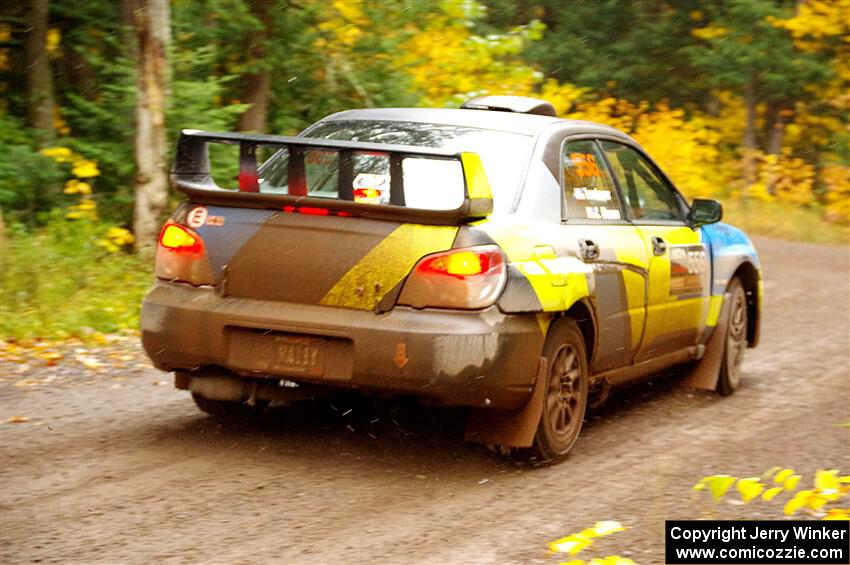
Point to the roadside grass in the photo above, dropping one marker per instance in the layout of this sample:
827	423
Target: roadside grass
57	282
783	221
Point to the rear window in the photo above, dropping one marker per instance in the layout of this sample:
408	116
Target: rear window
428	182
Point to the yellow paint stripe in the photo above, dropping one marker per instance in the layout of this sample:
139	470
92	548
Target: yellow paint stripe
386	265
635	284
714	306
476	179
543	321
558	282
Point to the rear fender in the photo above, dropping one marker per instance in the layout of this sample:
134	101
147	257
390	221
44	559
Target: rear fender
542	279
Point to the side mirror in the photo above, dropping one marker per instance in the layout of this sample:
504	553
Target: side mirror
705	211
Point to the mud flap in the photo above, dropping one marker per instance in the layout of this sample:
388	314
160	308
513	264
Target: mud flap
508	428
706	373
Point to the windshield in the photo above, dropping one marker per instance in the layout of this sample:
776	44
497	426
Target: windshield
504	156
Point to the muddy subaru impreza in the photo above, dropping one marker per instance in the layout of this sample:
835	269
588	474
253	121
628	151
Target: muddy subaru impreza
494	257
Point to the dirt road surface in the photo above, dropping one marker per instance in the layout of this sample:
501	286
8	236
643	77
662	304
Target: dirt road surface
112	465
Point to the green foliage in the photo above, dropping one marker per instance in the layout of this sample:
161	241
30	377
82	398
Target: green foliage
196	103
58	281
741	46
29	182
624	48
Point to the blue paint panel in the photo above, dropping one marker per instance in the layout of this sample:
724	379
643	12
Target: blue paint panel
729	248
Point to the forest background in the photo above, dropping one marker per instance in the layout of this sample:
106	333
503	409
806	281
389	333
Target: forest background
742	100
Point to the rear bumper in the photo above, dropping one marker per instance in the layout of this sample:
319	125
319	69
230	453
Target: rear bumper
481	358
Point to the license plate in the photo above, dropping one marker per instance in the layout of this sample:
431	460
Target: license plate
278	353
298	355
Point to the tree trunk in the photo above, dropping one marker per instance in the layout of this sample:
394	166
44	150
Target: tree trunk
256	85
256	93
80	74
750	140
39	76
153	35
776	133
127	20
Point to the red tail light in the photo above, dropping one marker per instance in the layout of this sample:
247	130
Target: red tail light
177	238
369	196
470	279
180	256
461	264
310	211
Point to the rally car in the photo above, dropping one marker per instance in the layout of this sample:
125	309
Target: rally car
495	257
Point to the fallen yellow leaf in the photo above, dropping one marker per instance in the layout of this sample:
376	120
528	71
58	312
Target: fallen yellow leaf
782	475
837	514
799	501
607	527
792	482
749	488
89	362
571	544
827	480
719	484
771	493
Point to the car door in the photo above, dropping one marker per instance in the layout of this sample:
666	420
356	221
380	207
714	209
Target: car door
678	293
593	218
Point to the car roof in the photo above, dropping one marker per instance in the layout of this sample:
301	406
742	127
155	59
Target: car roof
525	124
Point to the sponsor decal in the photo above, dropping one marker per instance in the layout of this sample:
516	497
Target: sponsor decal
688	269
584	193
601	213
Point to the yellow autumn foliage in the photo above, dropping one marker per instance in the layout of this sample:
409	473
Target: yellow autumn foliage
686	147
837	181
76	186
343	24
115	239
447	63
816	21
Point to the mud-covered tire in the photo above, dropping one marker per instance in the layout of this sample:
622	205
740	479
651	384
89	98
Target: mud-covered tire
565	398
735	340
229	410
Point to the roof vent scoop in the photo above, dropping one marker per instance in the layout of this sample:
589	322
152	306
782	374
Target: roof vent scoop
518	104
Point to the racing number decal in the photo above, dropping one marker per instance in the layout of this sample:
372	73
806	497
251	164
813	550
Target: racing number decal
585	164
197	217
688	269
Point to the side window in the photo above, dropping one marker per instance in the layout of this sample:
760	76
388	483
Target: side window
647	195
588	189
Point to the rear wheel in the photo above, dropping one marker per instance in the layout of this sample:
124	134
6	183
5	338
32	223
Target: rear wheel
565	401
229	410
736	340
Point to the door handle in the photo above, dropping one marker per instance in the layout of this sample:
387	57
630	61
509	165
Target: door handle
588	249
659	246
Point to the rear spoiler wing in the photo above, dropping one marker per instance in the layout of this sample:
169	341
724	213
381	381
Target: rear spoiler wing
191	175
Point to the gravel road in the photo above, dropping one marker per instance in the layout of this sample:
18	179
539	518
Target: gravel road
102	461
